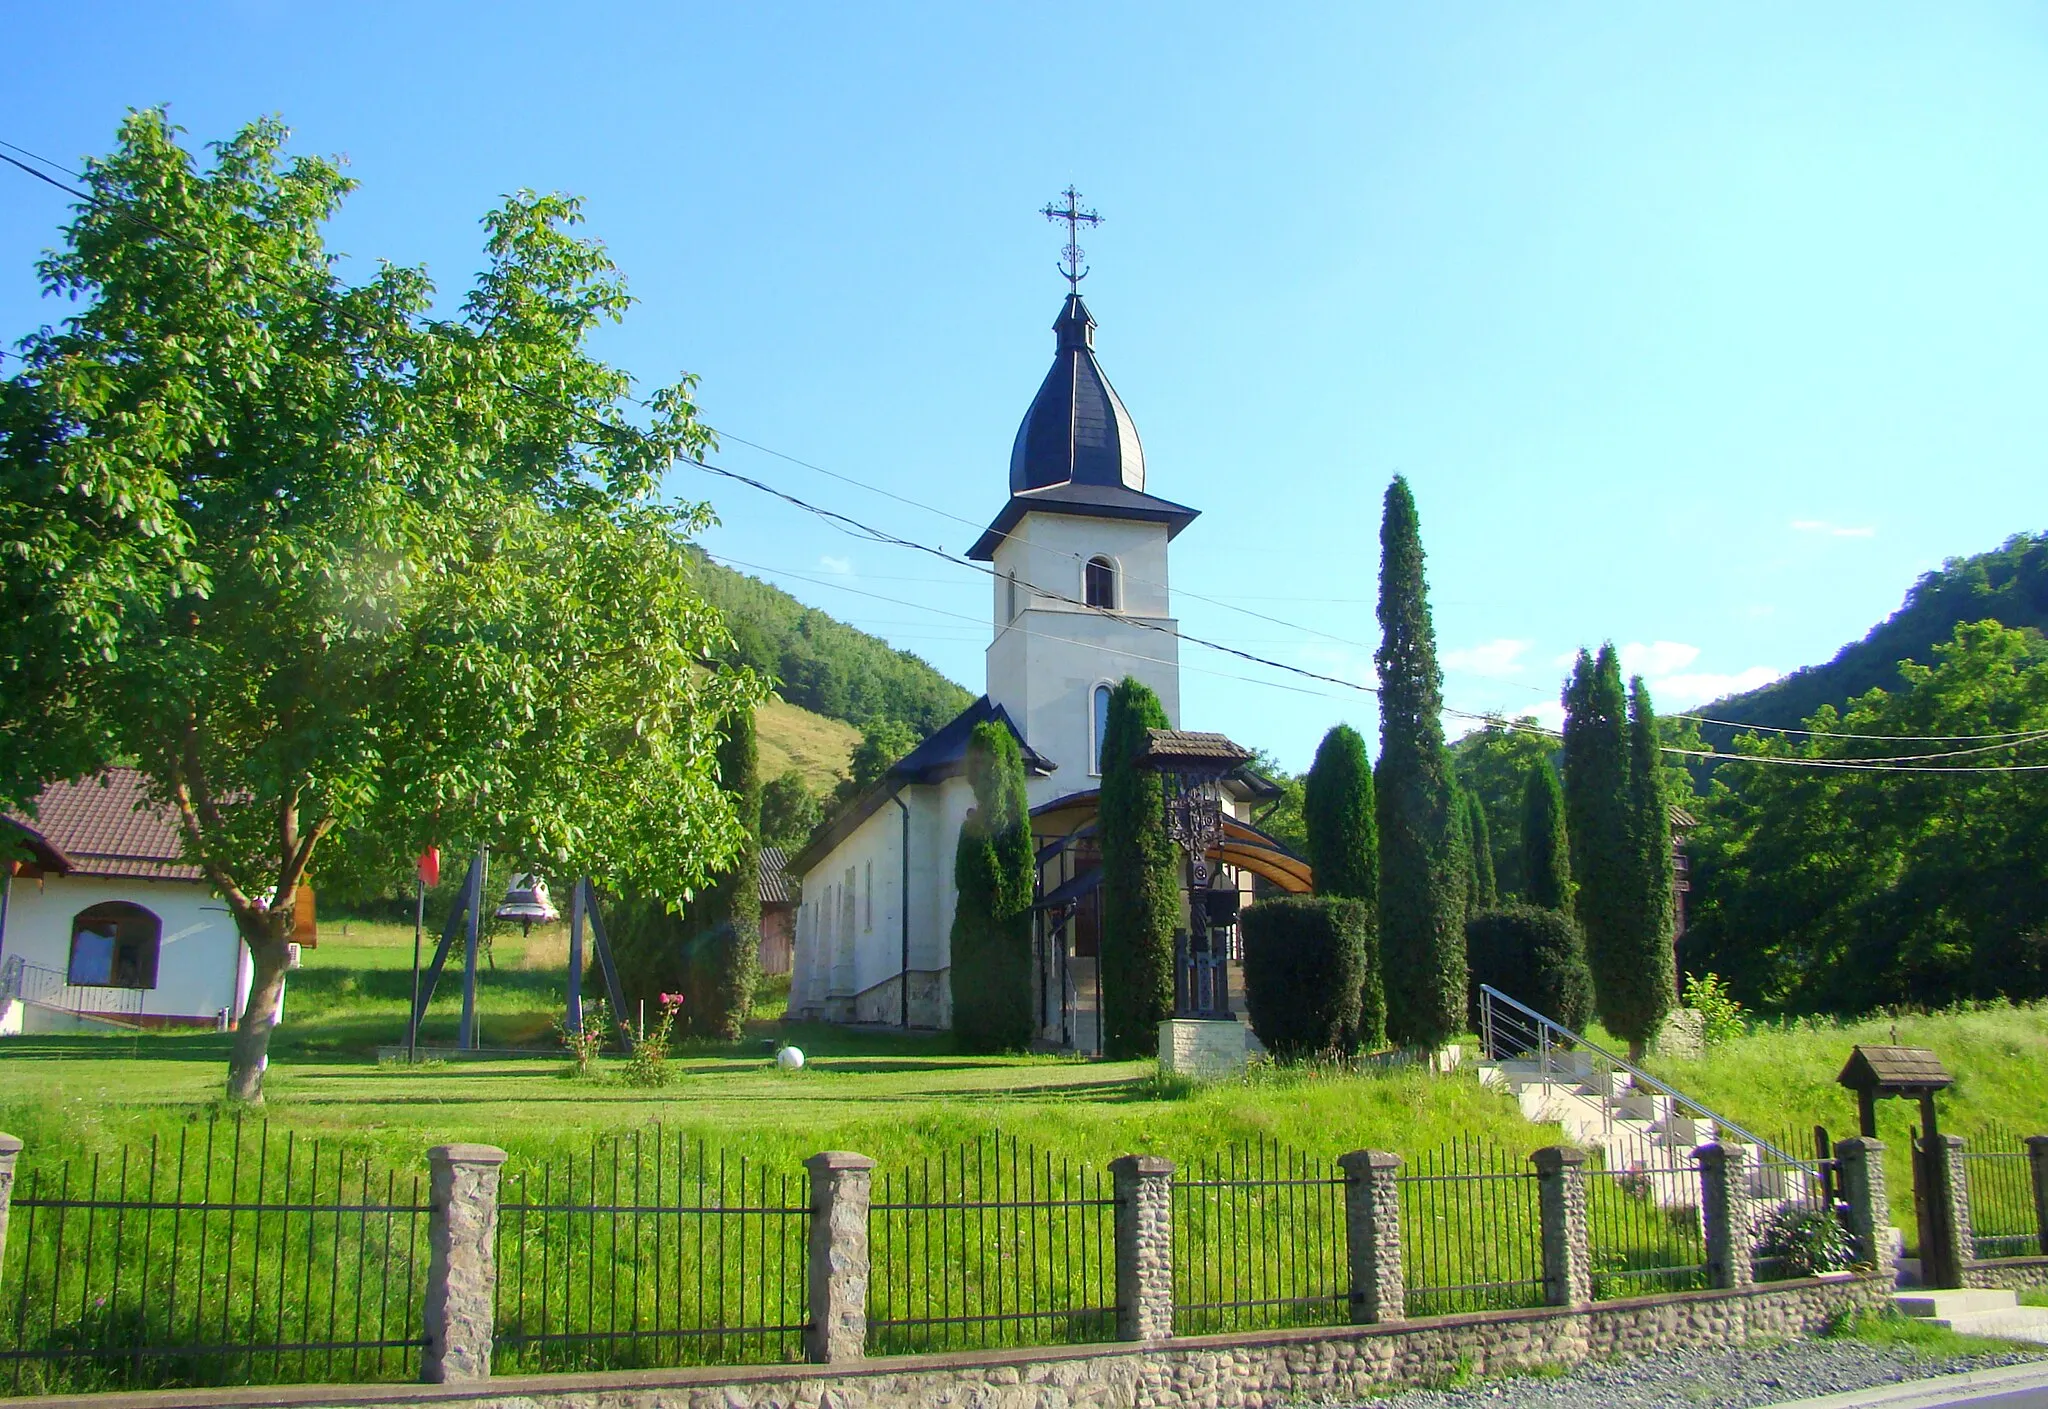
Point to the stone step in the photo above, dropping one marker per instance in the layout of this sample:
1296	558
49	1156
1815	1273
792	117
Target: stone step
1956	1301
2018	1323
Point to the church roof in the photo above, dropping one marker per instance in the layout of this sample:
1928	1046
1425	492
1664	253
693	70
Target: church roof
1077	451
942	755
1077	430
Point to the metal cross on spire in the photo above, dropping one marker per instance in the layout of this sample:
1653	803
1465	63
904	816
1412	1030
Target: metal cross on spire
1075	217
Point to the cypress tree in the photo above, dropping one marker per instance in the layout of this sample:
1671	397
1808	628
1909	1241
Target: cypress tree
1482	893
1422	860
1647	970
1597	805
992	872
725	962
1337	812
1545	855
1141	892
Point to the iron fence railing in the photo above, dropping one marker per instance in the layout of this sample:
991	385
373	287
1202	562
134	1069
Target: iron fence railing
1258	1241
32	983
1998	1180
991	1244
1799	1229
1643	1228
1471	1230
1512	1031
227	1254
650	1249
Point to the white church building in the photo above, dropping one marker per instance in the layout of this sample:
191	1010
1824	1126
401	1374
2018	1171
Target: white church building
1079	552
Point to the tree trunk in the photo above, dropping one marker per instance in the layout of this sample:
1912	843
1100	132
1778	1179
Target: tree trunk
1637	1050
265	934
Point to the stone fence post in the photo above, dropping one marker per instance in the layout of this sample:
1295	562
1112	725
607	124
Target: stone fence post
1727	1214
1860	1162
1949	1202
462	1271
1144	1246
10	1147
1561	1198
2037	1156
1372	1235
841	1188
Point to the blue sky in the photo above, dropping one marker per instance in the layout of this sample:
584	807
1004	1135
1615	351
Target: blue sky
1704	331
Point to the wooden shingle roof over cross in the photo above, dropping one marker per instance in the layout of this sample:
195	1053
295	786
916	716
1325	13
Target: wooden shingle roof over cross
1894	1071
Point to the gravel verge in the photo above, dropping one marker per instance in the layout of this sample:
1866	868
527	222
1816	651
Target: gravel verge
1745	1378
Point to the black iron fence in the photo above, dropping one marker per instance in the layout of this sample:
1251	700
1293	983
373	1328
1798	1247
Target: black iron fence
991	1244
1471	1230
228	1254
650	1249
1643	1226
1999	1182
1258	1241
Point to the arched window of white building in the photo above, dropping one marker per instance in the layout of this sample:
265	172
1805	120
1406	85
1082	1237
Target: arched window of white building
1010	596
1099	708
114	945
1098	582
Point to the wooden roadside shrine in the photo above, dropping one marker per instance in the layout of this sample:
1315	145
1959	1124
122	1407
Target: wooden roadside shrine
1914	1073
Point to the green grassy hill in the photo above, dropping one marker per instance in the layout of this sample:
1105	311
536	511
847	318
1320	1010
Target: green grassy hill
1780	1080
2008	584
817	748
823	665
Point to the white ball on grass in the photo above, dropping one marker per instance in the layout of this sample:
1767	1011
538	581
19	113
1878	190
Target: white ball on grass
789	1058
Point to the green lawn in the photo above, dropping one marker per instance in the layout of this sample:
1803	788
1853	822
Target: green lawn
890	1095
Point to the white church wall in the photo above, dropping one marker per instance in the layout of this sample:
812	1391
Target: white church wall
201	964
848	964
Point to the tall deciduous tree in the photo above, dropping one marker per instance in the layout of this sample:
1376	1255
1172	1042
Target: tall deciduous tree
993	872
1422	856
1546	855
315	562
1599	817
1141	893
1837	888
1337	810
1646	976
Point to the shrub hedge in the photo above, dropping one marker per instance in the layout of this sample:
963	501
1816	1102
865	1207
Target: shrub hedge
1534	955
1310	984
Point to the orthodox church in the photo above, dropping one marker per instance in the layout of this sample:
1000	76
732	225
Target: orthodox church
1079	556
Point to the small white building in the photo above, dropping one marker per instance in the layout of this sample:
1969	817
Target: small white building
103	918
1079	553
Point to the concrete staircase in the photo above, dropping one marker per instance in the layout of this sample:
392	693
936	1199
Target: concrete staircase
1978	1313
1603	1109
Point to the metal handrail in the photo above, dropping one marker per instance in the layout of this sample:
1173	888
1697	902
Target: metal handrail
1636	1073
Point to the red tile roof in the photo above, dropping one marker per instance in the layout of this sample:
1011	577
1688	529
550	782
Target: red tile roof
105	826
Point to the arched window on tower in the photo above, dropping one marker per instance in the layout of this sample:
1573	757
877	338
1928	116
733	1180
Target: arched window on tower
1010	597
1099	707
114	945
1099	583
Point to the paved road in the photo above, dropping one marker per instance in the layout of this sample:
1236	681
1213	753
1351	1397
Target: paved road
2008	1387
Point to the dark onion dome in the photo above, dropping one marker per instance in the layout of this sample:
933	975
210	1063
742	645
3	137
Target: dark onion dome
1077	431
1077	451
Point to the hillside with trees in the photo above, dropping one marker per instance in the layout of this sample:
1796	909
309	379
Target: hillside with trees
2008	585
821	664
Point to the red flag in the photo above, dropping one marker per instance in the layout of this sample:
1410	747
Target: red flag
430	867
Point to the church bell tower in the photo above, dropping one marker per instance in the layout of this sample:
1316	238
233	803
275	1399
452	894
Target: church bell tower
1080	558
